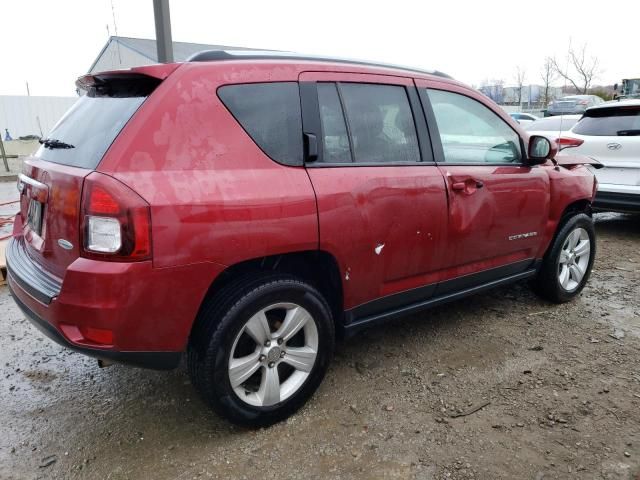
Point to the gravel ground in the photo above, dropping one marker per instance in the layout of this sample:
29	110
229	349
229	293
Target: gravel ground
502	385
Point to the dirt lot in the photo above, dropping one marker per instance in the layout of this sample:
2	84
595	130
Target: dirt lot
560	387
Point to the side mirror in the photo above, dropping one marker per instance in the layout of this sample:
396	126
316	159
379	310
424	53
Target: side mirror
540	150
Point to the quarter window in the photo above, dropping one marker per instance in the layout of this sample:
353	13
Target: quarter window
472	133
380	123
270	114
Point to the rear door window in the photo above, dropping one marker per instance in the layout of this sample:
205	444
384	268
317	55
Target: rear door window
612	122
336	147
470	132
380	122
88	129
270	113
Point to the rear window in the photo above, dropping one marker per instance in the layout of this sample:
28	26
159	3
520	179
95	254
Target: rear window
91	125
270	113
610	122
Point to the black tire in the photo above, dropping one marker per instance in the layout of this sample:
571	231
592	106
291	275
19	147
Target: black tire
547	283
221	320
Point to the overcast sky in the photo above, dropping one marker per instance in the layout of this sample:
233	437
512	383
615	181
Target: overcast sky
49	43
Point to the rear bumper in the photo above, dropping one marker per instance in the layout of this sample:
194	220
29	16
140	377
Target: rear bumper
40	284
617	198
146	312
154	360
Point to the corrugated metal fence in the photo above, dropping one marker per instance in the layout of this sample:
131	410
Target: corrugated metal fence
24	115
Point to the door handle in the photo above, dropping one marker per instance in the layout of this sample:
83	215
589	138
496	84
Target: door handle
466	186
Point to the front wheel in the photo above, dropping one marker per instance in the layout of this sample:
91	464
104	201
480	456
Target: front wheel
567	264
266	351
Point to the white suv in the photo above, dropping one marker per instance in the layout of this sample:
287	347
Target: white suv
610	133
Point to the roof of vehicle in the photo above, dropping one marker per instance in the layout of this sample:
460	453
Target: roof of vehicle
539	124
222	55
631	102
577	96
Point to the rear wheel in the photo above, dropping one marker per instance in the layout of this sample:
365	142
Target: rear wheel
567	264
265	351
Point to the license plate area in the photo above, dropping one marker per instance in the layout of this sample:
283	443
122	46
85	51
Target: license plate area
34	216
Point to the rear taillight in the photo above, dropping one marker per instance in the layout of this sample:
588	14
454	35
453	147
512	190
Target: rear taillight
566	142
115	221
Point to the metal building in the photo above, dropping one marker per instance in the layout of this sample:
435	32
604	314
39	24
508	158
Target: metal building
127	52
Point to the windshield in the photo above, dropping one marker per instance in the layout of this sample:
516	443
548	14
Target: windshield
89	128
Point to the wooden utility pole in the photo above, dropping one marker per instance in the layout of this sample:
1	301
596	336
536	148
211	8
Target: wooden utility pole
3	154
163	31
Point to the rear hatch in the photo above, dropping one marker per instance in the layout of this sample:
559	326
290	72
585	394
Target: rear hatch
611	135
52	179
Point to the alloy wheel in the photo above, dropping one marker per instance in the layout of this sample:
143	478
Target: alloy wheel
574	259
273	354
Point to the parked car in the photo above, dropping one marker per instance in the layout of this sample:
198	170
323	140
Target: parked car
573	104
523	118
610	133
247	208
552	127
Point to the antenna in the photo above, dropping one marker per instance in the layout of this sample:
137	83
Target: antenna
115	29
564	88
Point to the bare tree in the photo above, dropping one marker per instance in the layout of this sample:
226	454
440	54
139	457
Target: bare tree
548	75
582	69
520	76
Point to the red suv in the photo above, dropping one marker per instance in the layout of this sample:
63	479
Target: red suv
248	208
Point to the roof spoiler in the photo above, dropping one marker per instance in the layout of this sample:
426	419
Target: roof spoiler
149	72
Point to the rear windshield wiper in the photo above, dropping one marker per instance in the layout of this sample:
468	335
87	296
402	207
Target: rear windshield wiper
628	133
54	143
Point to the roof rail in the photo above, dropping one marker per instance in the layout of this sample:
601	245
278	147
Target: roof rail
217	55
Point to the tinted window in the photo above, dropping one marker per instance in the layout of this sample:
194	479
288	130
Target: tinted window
610	122
471	132
334	129
380	122
91	125
270	113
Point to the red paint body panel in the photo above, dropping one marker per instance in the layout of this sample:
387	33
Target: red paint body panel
568	186
217	200
60	214
512	200
214	195
148	309
403	210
